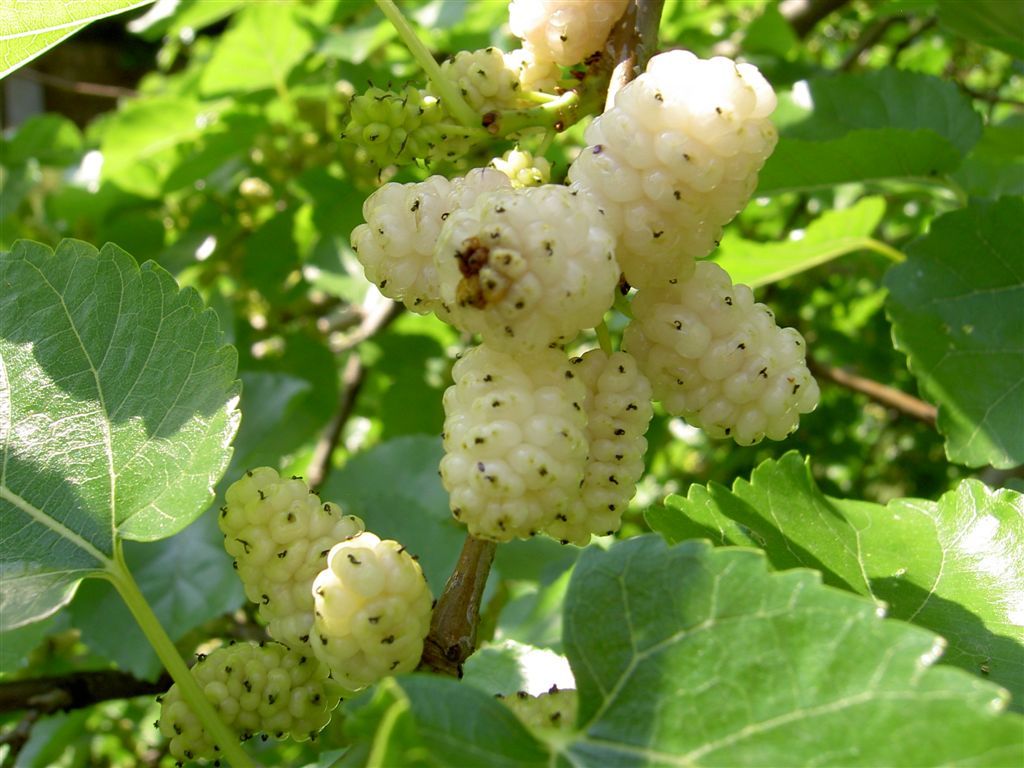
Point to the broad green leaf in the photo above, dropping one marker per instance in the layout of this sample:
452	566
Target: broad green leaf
955	567
394	487
995	167
144	142
831	235
876	125
957	308
28	29
457	725
49	139
259	50
691	656
117	408
16	645
996	23
187	579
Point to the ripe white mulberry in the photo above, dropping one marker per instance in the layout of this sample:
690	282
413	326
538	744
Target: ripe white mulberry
718	359
279	533
396	244
526	268
675	159
485	79
372	611
256	688
515	441
564	31
618	407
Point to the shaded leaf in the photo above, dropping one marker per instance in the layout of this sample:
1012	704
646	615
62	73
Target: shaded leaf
955	567
957	308
833	234
394	487
995	23
716	661
116	413
876	125
995	166
49	139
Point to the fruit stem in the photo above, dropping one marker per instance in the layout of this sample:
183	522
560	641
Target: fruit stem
556	115
450	96
452	637
119	575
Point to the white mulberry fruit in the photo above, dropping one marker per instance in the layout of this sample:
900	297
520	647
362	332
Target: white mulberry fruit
675	159
256	688
618	407
372	611
718	359
564	31
526	268
396	244
515	441
485	79
535	73
279	533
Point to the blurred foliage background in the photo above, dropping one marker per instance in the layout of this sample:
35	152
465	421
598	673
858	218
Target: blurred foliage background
205	136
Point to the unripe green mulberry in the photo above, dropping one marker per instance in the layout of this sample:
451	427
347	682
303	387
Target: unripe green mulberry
515	441
398	128
279	533
256	688
372	611
618	407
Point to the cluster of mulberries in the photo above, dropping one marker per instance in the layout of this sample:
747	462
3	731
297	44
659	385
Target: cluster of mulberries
523	168
372	611
279	534
256	688
675	159
400	127
717	358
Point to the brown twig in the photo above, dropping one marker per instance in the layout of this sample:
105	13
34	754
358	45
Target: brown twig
77	86
632	41
17	737
881	393
917	29
74	690
351	382
871	36
452	637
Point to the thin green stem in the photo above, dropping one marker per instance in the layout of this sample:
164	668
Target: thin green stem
604	338
555	115
888	251
124	583
450	96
